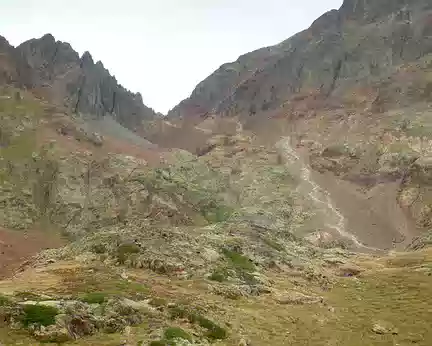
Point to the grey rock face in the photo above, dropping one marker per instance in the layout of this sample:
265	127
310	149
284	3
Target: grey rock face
54	70
8	73
362	41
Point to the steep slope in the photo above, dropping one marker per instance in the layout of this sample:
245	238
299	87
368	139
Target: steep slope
362	41
53	70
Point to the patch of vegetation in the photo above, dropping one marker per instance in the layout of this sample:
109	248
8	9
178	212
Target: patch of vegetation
158	343
39	314
125	250
238	260
218	275
4	300
213	330
173	333
94	298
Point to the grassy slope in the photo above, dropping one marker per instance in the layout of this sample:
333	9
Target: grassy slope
396	290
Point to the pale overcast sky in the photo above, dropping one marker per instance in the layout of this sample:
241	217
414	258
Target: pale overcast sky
161	48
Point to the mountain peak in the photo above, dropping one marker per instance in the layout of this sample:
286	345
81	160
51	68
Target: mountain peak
87	59
48	38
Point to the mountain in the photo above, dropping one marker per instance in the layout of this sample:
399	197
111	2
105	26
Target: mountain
291	206
353	93
361	42
53	70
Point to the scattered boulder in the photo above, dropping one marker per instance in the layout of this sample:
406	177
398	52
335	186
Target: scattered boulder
54	333
381	327
96	139
80	320
227	291
118	314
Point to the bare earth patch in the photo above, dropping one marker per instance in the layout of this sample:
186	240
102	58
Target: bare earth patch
18	246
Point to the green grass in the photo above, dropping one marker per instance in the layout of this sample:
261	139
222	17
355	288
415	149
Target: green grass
102	281
173	333
4	300
238	260
94	298
39	314
157	343
218	275
213	331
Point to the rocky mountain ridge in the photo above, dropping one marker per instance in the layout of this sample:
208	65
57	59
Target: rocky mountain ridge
362	41
53	70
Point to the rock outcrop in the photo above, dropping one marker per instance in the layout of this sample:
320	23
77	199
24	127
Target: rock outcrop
362	41
53	70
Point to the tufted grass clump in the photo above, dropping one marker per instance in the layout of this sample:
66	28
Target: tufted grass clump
4	301
213	331
238	260
39	314
218	276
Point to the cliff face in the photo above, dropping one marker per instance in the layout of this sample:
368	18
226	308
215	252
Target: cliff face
54	70
363	41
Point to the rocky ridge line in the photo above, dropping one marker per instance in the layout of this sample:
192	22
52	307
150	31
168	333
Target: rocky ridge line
53	70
